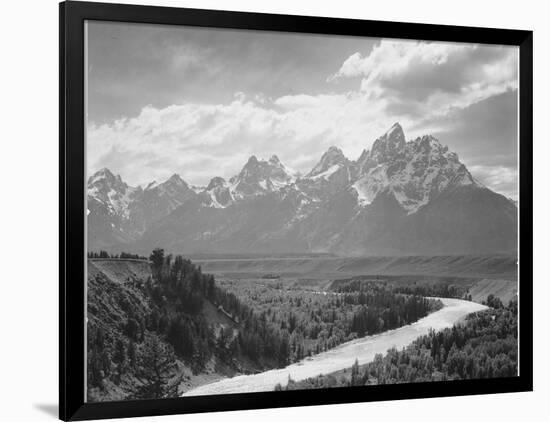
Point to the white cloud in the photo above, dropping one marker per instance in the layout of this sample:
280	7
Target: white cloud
432	78
400	81
391	58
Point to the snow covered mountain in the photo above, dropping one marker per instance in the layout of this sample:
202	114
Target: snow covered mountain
158	200
399	197
260	176
219	193
333	173
118	213
108	209
413	172
110	191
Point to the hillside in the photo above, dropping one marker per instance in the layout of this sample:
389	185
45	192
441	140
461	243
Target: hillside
127	328
505	290
121	271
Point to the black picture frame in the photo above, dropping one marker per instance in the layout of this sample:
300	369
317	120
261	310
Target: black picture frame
72	205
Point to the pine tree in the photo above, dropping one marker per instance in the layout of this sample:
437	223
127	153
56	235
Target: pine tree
355	379
156	363
157	259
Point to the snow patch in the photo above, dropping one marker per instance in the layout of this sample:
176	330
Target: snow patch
215	203
151	185
327	173
363	198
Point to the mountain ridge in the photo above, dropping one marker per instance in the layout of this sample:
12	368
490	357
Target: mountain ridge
396	198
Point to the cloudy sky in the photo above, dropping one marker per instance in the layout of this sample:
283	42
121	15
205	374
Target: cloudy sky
199	102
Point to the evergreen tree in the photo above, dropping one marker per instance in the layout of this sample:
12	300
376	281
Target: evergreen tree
355	379
156	364
157	260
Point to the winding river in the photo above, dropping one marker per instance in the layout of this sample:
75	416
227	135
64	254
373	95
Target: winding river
343	356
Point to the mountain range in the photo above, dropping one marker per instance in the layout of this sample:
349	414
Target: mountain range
398	198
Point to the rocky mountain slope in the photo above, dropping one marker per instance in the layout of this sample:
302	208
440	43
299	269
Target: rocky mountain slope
398	198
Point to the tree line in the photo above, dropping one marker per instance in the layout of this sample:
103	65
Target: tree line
484	346
106	255
312	322
425	289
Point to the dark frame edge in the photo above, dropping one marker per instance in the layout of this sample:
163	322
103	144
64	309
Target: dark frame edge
71	211
525	252
165	15
299	398
62	308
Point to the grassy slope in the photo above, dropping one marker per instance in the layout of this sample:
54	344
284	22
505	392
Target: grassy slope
505	290
120	271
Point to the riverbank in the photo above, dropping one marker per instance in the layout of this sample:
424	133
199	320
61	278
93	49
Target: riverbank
343	356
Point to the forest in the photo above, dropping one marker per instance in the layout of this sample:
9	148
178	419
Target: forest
483	346
140	334
316	321
425	289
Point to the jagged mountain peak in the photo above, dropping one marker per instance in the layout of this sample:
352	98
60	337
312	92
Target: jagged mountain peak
395	131
259	176
103	184
175	178
253	160
389	144
330	162
111	192
429	149
429	143
105	175
415	172
274	160
260	165
334	150
218	193
216	182
103	172
174	182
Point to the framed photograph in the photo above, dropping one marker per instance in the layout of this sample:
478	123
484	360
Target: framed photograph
266	210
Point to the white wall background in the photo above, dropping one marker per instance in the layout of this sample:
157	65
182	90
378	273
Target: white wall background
29	210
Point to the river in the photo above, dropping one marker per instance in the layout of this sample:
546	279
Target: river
343	356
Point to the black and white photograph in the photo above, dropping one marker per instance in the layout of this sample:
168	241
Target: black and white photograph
272	211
